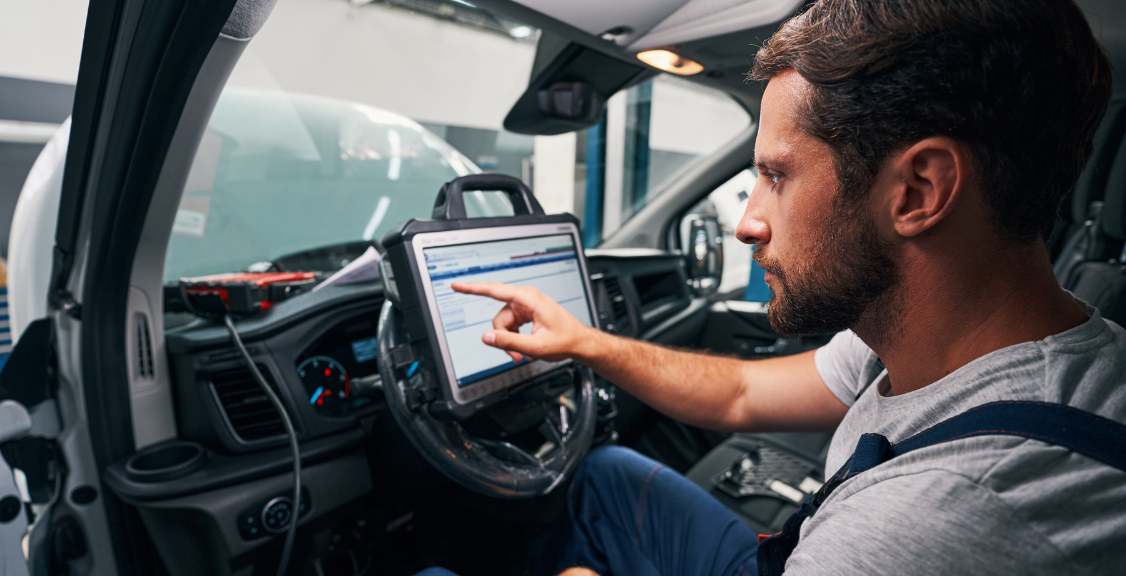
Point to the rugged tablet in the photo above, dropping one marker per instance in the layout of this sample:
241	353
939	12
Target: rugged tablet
424	257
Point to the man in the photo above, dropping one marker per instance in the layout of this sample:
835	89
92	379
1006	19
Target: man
911	156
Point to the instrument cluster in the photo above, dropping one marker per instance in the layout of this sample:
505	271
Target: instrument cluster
340	372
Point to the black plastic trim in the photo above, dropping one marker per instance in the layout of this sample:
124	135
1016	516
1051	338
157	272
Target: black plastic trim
158	67
222	470
278	318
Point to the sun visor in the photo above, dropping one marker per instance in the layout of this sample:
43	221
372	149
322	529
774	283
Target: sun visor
569	88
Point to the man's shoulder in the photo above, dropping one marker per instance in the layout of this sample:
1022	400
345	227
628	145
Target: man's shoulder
846	364
1003	489
1085	369
922	522
998	489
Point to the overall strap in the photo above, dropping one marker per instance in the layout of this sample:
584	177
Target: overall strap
1082	432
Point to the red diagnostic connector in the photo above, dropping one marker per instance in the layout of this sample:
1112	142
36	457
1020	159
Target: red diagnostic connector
242	292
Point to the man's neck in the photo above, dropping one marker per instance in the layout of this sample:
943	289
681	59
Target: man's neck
947	314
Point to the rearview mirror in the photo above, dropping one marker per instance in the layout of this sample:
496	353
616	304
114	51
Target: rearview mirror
575	101
568	88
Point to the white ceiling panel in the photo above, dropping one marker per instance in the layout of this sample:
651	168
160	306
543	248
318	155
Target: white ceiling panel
706	18
598	16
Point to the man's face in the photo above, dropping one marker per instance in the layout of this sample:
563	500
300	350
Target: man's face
824	260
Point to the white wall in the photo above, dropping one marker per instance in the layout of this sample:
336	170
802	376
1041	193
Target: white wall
427	69
554	176
692	119
614	177
41	39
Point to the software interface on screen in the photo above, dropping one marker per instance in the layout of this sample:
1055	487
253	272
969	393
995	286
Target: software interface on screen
547	263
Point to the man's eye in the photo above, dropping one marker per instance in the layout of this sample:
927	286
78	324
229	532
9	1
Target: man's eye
774	178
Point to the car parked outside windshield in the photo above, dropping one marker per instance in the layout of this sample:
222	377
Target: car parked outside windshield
279	173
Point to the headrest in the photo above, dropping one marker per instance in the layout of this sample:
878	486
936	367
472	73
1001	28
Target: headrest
247	18
1114	201
1093	180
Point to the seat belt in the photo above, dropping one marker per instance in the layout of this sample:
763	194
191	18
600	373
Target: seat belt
1082	432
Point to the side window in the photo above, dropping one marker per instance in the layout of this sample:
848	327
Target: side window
650	134
742	278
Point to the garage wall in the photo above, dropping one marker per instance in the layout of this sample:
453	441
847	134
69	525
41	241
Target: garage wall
30	110
40	46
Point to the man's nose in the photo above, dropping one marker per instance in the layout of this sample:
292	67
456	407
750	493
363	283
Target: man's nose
752	228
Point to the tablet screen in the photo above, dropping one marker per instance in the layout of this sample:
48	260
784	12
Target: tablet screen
547	263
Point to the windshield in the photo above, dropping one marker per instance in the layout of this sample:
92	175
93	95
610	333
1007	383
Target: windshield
280	173
341	120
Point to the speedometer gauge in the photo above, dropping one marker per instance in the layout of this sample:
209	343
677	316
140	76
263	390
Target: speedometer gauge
326	382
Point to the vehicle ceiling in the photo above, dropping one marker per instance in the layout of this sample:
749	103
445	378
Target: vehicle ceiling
723	35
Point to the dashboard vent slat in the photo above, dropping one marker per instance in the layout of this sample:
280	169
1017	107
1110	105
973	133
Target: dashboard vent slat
144	347
246	407
618	306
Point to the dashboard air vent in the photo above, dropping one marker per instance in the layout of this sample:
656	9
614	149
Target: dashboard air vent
143	347
247	408
618	306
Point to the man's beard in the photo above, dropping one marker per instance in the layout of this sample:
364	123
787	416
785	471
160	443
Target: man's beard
847	279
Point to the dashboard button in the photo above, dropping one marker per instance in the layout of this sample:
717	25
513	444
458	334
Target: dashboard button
249	525
271	517
277	514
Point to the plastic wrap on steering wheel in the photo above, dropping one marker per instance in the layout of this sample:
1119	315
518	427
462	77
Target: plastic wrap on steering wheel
492	467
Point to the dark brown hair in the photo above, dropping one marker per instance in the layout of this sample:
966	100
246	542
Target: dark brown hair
1022	83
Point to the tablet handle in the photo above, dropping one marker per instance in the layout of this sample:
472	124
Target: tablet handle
450	204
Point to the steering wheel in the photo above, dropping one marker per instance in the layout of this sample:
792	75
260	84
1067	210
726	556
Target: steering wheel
493	467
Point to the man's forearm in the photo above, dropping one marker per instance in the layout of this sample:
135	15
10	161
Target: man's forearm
716	392
695	388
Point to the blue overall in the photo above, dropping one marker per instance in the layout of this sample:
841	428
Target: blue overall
630	515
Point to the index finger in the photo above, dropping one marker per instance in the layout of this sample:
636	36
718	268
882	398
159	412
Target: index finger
494	290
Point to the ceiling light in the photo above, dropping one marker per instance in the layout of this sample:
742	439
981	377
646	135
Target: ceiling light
670	62
520	32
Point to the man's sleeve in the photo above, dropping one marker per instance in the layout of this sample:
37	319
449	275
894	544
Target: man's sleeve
842	364
932	522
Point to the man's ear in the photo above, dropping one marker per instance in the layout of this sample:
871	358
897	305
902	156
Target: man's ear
933	174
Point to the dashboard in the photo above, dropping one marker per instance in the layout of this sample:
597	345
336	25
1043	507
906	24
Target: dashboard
318	351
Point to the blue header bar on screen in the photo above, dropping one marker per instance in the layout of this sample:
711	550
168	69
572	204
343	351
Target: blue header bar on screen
532	260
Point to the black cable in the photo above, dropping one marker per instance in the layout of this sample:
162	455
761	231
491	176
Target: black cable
290	534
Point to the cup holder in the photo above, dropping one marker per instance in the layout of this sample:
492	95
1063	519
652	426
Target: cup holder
165	461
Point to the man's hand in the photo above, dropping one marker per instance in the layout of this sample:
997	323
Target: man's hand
556	334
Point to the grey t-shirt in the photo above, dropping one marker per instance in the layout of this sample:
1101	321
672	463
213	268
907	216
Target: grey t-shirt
984	505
